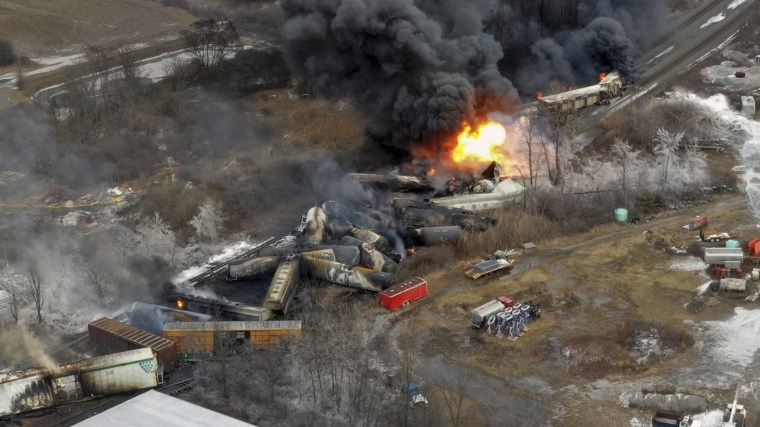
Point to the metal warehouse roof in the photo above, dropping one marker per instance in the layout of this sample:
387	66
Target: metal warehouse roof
155	409
233	326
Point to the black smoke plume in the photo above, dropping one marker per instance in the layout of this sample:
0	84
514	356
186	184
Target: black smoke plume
572	41
419	68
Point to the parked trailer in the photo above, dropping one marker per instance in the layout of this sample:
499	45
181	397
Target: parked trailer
200	340
39	388
403	293
111	336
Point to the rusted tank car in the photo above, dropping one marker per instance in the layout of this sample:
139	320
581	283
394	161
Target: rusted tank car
283	285
610	86
40	388
200	340
109	336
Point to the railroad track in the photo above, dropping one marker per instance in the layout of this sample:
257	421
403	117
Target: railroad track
177	388
218	269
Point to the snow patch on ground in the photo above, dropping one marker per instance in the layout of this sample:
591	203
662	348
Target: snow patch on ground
710	418
736	3
717	18
691	263
703	288
661	54
750	168
228	253
735	340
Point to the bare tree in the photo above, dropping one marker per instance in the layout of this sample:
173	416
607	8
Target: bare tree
98	277
211	41
563	121
625	156
36	292
665	148
13	298
454	394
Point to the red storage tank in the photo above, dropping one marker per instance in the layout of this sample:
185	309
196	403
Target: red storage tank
404	292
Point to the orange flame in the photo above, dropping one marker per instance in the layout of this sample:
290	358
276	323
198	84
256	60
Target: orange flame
180	304
432	172
411	251
539	96
481	144
602	76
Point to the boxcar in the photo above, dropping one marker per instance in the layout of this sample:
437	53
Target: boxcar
111	336
200	340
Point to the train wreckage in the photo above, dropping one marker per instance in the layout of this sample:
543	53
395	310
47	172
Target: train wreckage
355	243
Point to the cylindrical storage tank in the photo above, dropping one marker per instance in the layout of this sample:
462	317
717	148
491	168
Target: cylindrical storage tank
355	277
315	226
722	255
253	267
621	215
731	243
368	236
376	260
433	236
350	255
755	274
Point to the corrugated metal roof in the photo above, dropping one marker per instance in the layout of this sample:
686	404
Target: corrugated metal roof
155	409
232	325
132	334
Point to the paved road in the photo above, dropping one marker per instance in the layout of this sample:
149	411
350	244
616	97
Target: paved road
693	39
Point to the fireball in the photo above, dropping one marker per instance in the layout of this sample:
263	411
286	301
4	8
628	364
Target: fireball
481	145
602	76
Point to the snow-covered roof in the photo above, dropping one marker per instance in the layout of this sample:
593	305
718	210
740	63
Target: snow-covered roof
155	409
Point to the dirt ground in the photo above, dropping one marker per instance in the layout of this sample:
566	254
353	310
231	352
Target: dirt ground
586	284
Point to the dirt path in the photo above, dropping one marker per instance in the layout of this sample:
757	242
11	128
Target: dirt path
586	283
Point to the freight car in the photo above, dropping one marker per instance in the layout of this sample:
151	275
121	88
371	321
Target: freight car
225	309
40	388
283	285
610	86
200	340
111	336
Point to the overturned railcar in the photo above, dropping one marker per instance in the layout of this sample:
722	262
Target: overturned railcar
40	388
612	85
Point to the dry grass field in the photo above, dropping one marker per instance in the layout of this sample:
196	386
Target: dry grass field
42	28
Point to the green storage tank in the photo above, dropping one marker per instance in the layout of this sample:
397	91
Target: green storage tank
621	215
731	243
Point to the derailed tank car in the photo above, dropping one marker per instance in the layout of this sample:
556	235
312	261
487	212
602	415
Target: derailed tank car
40	388
612	85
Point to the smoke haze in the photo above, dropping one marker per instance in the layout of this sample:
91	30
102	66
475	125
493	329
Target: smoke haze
418	74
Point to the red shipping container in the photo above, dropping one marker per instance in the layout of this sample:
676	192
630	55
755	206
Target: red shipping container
753	248
404	292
